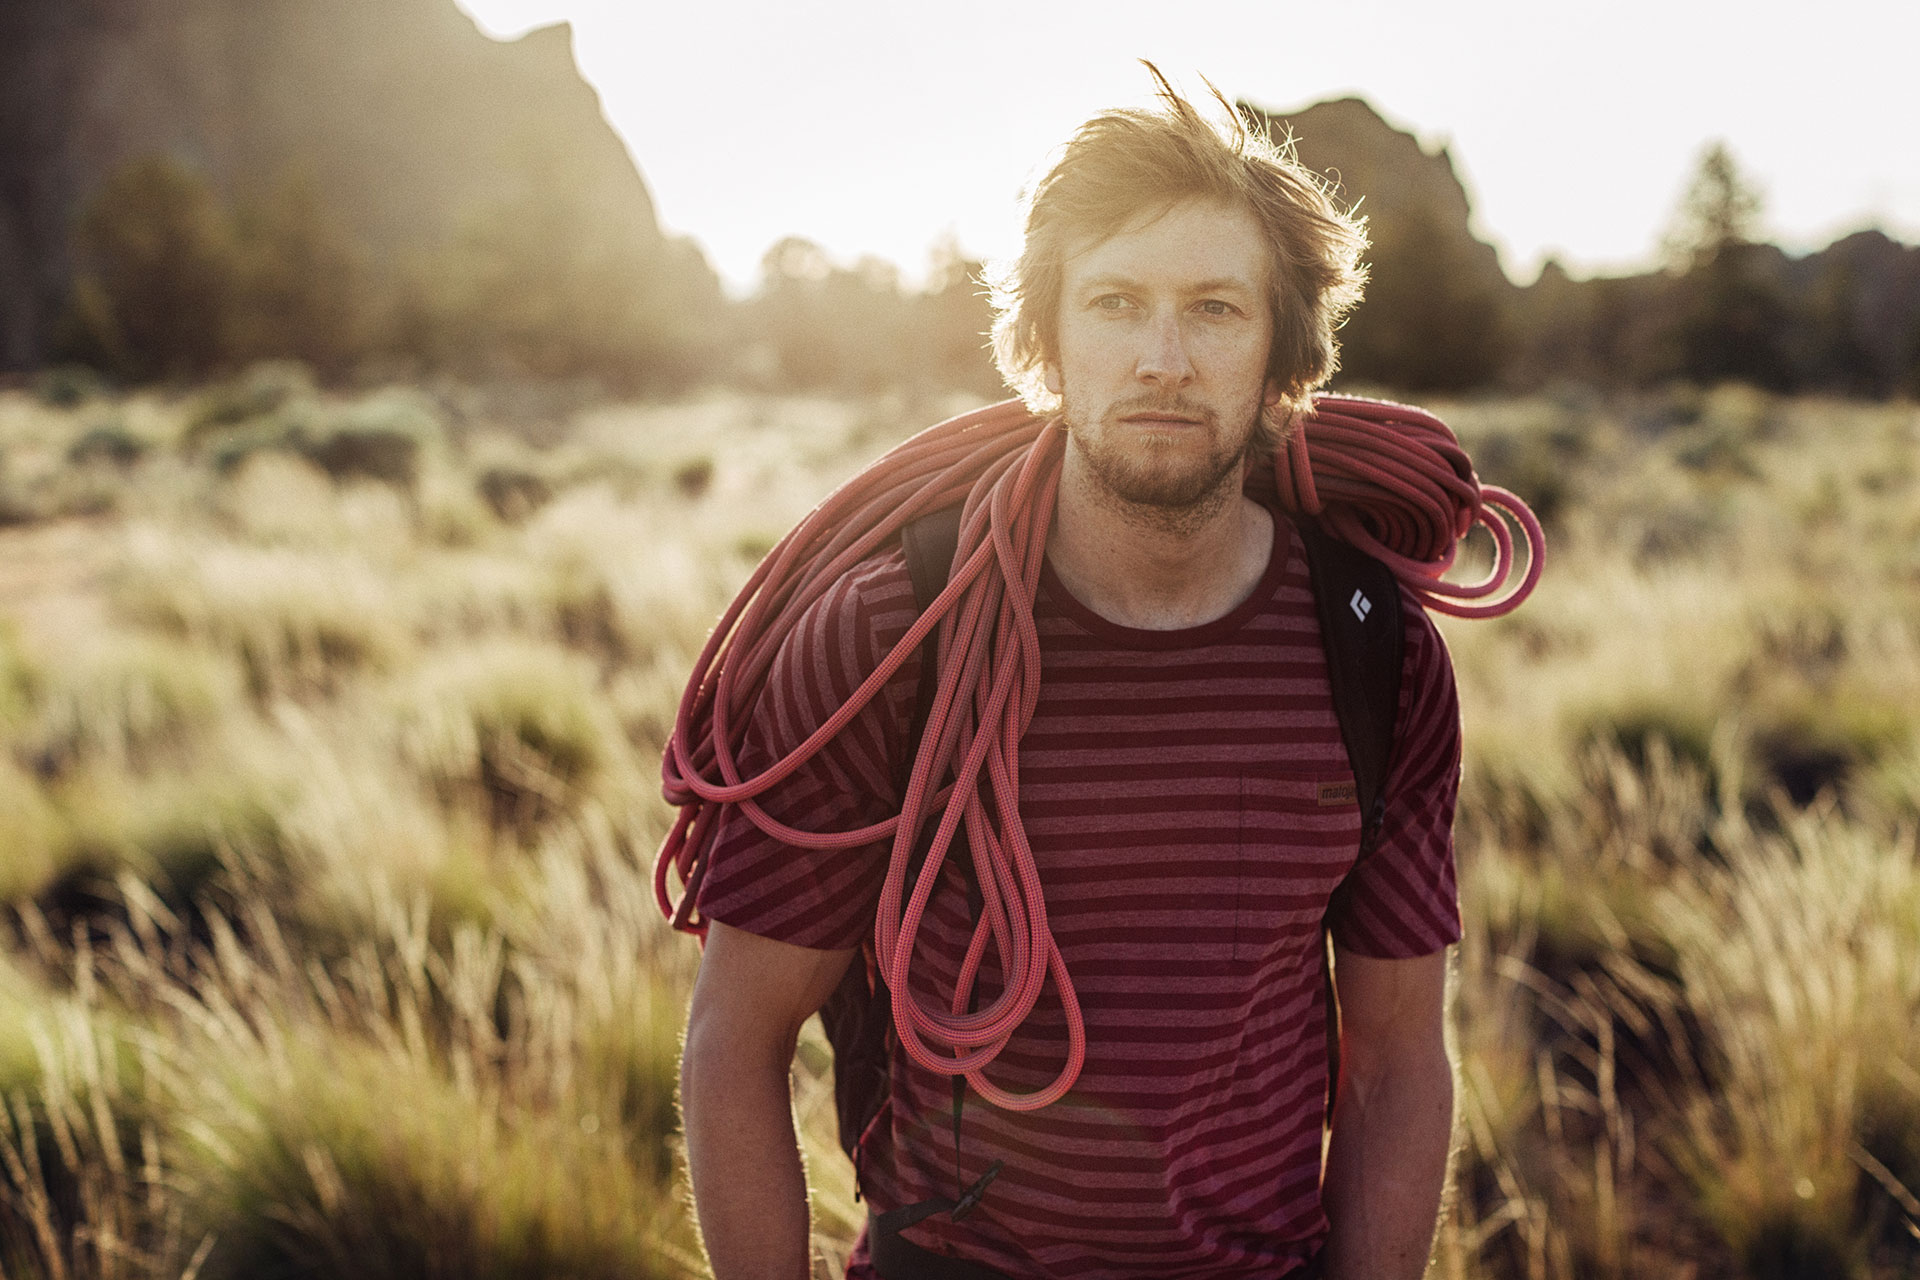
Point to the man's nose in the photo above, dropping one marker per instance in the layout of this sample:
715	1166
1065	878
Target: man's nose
1163	357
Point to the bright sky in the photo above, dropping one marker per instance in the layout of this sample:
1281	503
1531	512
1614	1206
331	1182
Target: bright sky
879	126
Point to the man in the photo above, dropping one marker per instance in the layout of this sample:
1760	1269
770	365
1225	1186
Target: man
1184	788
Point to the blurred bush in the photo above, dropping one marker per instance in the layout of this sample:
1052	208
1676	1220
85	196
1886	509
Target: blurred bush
815	325
512	493
516	728
346	1161
157	272
264	389
295	622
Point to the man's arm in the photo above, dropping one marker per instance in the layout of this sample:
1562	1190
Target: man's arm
749	1188
1392	1116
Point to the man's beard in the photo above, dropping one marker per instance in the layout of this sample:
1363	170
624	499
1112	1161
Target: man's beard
1160	475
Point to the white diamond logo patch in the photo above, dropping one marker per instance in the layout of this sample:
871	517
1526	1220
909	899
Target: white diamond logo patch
1360	605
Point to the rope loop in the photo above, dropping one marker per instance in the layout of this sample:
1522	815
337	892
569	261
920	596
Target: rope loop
1389	478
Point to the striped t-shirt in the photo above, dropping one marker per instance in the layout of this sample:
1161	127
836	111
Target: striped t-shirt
1191	812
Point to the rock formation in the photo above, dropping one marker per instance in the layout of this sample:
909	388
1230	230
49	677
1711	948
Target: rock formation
408	118
1436	299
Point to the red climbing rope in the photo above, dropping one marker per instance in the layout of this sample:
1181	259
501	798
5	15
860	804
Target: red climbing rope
1388	478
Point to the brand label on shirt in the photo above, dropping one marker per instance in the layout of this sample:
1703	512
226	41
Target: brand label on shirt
1332	793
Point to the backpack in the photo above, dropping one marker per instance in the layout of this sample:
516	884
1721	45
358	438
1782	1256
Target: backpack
1358	602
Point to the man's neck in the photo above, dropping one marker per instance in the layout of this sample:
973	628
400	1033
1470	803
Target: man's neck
1153	568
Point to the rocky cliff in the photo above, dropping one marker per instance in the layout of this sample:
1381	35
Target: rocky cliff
1437	298
401	112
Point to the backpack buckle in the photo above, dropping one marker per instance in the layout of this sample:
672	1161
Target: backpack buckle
970	1199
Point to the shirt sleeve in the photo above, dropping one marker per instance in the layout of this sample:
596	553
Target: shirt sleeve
1402	899
822	898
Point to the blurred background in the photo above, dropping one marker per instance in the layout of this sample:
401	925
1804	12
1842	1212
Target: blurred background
377	446
387	191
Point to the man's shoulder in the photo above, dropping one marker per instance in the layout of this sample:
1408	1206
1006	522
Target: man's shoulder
1426	651
880	579
855	621
876	593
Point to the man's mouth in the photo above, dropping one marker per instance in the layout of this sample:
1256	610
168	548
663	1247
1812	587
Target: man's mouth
1161	419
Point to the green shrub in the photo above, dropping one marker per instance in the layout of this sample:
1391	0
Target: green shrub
1543	462
33	836
1806	753
20	999
234	448
384	437
265	390
358	842
520	728
1684	726
344	1162
586	616
135	701
156	269
1720	449
513	493
1658	412
348	453
17	506
1891	786
169	830
77	1136
1576	890
109	443
297	622
20	681
693	477
1689	528
447	510
68	386
1800	960
380	438
630	1070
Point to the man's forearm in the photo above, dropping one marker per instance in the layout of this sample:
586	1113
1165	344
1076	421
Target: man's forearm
749	1187
1387	1167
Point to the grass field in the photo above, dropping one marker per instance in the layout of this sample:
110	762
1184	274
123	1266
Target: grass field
329	792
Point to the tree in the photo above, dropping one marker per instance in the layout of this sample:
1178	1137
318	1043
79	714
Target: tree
1720	211
302	289
157	269
823	326
955	317
1731	311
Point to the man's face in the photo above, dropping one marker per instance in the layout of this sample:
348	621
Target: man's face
1162	353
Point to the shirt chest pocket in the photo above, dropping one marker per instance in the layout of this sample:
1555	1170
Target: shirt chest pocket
1299	835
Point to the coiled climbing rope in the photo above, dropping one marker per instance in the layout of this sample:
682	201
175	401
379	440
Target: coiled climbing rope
1389	478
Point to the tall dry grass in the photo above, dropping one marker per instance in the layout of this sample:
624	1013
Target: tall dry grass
327	793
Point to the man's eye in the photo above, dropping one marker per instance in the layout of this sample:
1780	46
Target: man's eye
1110	302
1215	307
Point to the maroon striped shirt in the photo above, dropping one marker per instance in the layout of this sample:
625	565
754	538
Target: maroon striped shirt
1191	812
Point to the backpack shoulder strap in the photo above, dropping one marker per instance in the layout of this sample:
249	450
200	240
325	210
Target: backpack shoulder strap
1361	627
858	1016
929	542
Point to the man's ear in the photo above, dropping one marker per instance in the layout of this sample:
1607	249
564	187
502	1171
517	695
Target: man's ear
1050	377
1272	395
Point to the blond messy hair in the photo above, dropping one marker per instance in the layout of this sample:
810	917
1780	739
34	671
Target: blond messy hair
1130	163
